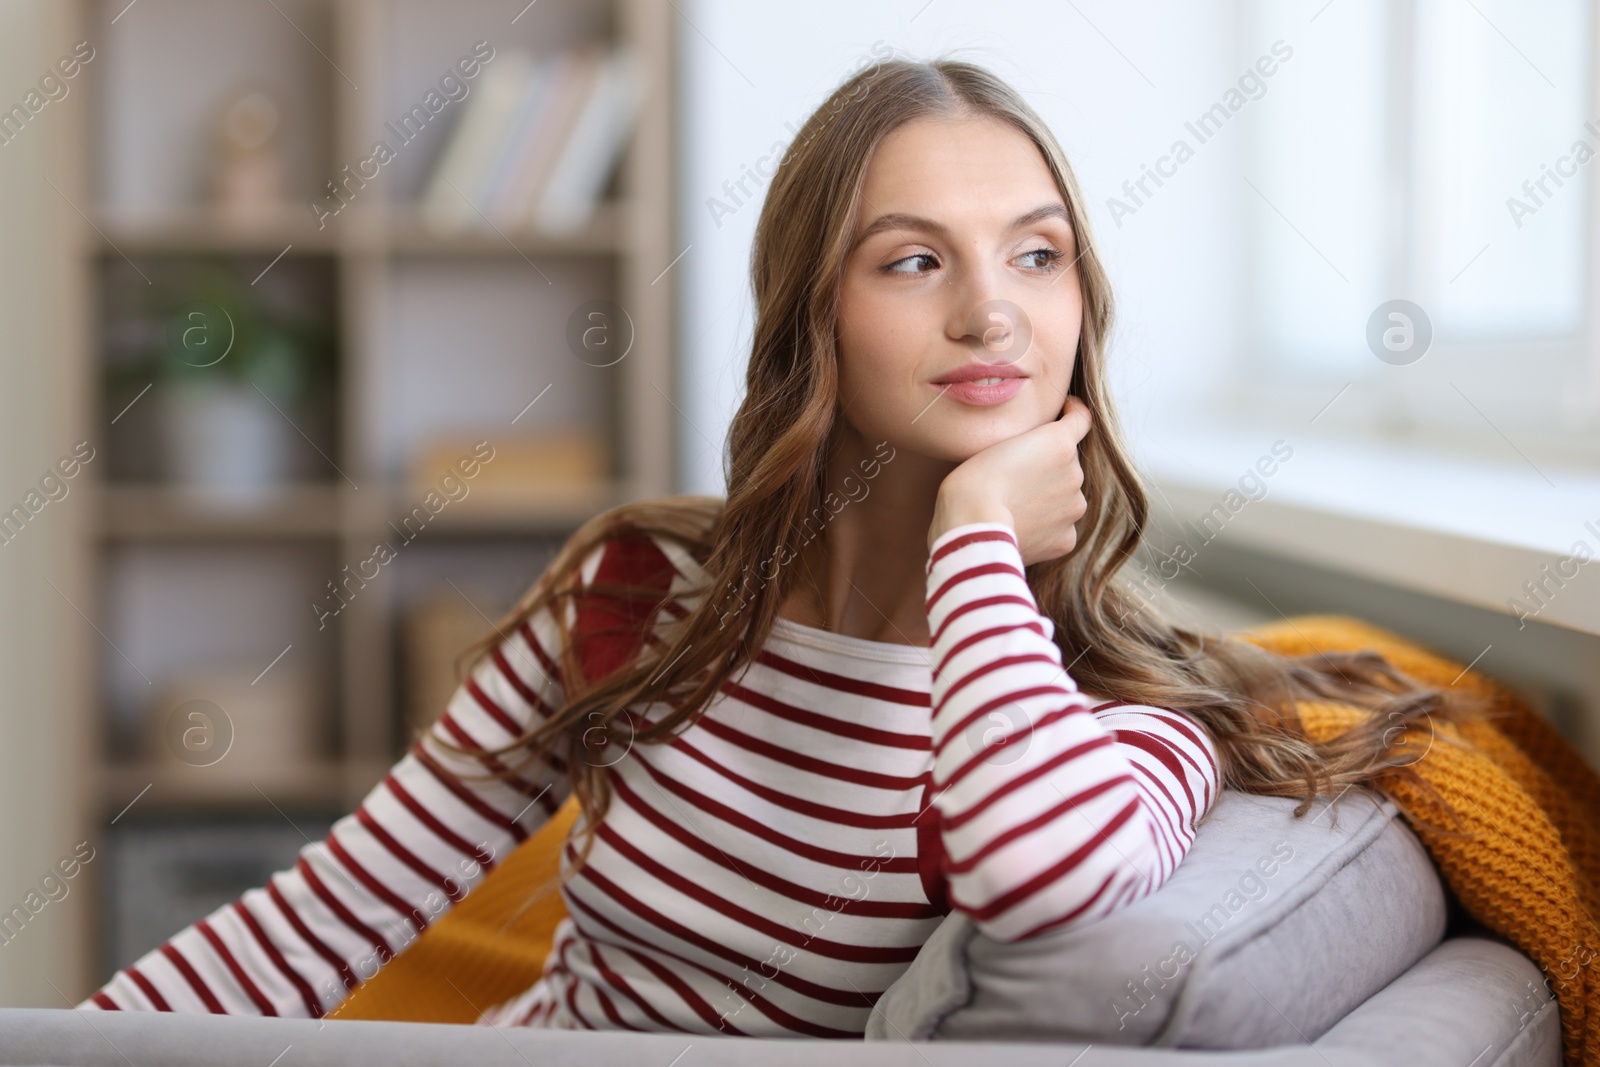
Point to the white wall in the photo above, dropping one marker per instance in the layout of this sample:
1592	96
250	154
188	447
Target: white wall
1116	93
44	643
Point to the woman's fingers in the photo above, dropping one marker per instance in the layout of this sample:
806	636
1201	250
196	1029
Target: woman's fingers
1076	414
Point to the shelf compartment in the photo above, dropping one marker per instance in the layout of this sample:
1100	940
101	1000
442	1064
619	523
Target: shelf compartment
177	63
178	868
480	348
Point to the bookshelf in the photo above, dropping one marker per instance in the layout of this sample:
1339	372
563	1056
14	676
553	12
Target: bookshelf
432	336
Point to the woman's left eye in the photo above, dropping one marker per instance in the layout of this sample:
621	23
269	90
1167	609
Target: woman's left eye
897	267
1051	255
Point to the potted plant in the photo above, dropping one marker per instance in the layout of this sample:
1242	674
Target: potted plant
240	373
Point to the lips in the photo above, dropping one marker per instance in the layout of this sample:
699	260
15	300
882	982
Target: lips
999	389
976	371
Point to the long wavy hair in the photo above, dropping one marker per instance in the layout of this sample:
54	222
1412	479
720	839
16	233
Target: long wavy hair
1118	644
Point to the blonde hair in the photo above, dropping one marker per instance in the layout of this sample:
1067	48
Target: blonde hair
1117	645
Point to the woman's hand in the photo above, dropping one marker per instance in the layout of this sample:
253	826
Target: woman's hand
1031	482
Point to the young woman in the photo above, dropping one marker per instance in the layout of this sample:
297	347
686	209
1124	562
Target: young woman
893	675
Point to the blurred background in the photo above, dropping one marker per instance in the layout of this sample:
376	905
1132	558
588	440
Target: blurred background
323	322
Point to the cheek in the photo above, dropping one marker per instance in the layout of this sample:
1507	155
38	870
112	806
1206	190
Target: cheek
877	358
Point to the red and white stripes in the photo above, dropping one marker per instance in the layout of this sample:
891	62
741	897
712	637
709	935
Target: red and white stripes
1051	813
773	869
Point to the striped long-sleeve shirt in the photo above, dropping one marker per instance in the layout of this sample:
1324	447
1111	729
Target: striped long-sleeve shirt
773	869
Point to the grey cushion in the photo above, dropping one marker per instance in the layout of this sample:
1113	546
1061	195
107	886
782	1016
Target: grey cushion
1269	932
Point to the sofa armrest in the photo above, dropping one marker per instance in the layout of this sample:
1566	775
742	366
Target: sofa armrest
1472	1000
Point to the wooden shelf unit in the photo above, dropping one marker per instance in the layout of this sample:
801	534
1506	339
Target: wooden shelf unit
372	243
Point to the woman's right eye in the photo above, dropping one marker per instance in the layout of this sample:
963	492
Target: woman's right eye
898	269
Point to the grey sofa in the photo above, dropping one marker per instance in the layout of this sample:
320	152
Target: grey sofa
1326	940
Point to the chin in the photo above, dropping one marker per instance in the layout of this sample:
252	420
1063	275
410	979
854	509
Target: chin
956	437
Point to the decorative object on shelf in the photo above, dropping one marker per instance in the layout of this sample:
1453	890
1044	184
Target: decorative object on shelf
535	148
557	456
221	718
223	443
249	163
240	370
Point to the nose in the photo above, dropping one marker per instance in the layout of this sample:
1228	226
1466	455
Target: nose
996	330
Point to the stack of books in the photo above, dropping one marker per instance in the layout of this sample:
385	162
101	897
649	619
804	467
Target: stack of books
535	145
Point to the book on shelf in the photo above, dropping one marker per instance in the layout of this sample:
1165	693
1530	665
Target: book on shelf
452	193
511	479
534	148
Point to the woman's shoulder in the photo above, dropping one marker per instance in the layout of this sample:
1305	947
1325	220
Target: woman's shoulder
649	542
641	560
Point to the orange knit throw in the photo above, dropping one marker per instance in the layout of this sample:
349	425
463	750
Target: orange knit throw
1527	868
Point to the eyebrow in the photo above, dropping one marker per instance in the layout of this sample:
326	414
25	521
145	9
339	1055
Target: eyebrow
899	220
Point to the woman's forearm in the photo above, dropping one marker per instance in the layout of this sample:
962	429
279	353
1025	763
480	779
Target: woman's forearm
419	841
1048	817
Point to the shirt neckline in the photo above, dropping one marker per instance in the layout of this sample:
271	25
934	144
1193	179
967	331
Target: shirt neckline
797	633
790	632
786	631
843	644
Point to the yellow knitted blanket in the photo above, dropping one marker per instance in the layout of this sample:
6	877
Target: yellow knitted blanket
1527	866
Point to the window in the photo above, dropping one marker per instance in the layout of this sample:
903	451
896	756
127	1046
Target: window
1439	152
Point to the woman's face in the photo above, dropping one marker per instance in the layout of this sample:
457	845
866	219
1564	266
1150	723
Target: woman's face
964	258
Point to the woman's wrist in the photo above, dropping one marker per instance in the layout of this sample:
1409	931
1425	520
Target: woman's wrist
958	505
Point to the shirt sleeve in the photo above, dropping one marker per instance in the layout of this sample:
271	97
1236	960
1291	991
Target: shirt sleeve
418	843
1052	813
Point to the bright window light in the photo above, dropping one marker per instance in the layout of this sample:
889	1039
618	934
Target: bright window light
1437	151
